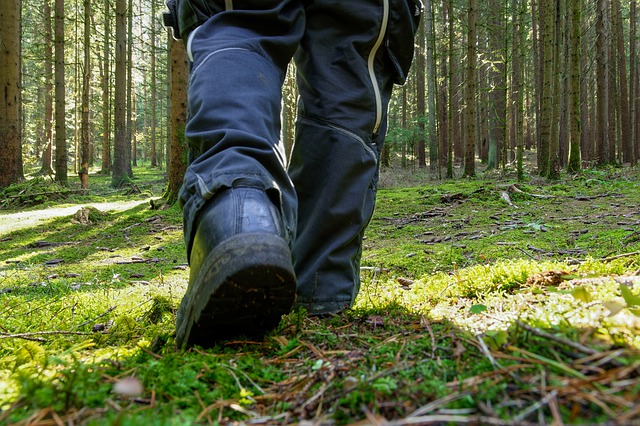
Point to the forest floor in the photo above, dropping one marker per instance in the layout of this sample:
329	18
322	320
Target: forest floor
483	301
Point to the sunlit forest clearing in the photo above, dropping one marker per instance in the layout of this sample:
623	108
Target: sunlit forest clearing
500	272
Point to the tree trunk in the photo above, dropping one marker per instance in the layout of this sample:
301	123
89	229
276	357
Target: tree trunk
420	95
10	82
61	141
623	104
106	91
586	144
130	129
538	58
602	64
153	88
497	110
520	7
575	112
556	84
452	104
179	73
431	89
634	100
47	151
121	157
470	119
547	10
86	82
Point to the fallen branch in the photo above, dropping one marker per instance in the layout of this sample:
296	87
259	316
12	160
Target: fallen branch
31	336
107	312
514	188
439	419
620	256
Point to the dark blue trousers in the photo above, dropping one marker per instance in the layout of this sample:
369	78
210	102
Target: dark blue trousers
348	55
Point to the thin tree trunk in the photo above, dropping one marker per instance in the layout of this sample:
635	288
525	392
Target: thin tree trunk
120	155
538	57
556	98
574	163
623	104
585	113
130	82
179	76
420	95
106	91
470	145
452	103
497	107
634	100
431	90
86	82
602	61
61	141
10	82
153	88
546	131
47	153
518	82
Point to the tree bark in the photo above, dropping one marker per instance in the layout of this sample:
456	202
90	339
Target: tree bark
623	101
451	126
106	91
546	131
497	80
10	84
179	77
575	137
86	83
634	100
420	95
153	88
520	7
602	64
121	156
431	86
130	108
47	151
556	84
470	119
61	141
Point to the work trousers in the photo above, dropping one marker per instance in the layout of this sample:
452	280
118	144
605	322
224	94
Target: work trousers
348	54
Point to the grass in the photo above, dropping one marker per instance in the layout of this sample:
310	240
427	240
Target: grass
481	302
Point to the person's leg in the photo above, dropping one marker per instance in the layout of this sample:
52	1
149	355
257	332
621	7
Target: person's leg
238	202
346	71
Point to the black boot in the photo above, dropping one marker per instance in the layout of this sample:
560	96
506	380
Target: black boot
242	279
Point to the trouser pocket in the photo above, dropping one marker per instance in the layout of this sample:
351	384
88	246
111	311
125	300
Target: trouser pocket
404	18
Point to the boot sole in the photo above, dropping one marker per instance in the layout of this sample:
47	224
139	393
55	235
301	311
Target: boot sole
244	287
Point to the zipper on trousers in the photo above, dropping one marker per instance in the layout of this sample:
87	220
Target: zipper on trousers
371	63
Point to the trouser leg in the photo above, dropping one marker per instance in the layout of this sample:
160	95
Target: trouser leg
345	78
239	51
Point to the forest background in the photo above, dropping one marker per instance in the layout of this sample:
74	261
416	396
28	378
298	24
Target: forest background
101	85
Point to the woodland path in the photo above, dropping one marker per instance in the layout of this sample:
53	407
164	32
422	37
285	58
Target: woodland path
10	222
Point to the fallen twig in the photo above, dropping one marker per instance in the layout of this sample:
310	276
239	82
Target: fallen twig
437	419
620	256
514	188
577	346
31	335
107	312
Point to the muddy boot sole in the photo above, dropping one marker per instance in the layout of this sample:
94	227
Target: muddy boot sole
243	288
